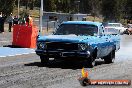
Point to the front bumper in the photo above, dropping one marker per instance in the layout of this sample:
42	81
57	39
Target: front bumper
53	54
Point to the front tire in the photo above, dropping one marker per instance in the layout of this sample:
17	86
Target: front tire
110	58
44	59
90	62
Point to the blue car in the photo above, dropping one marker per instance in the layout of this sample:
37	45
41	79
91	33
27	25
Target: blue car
80	40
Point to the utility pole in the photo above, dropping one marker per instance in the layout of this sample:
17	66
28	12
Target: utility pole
18	8
77	2
41	18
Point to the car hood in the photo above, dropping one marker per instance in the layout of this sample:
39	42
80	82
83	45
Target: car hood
66	38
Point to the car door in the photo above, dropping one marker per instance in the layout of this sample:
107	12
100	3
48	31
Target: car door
104	42
114	36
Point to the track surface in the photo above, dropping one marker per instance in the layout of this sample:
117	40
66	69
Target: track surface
26	71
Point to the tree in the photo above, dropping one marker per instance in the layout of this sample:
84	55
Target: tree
63	5
49	5
85	6
113	10
6	6
95	7
31	6
119	9
109	9
128	9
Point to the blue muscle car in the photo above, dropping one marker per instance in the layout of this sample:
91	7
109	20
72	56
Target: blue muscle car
79	40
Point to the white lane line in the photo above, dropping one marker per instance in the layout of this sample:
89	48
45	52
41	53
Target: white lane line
6	51
17	54
5	41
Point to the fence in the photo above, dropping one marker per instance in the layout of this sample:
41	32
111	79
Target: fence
47	26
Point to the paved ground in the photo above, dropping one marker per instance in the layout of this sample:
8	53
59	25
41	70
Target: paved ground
7	51
26	71
6	40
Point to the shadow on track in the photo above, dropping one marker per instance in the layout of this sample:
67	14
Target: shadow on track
12	46
64	64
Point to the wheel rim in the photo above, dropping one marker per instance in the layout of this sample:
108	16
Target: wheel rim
93	63
113	56
113	59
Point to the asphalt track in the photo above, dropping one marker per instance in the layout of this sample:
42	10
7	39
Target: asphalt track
5	46
26	71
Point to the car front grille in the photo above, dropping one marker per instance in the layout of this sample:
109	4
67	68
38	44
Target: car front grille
61	46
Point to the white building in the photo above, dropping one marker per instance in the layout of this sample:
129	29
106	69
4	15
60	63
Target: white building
60	17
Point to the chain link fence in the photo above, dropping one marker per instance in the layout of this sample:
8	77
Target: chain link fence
47	26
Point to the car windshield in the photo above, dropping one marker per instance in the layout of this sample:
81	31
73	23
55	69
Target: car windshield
114	25
77	29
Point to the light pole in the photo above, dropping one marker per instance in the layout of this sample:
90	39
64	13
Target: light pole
18	8
77	5
41	18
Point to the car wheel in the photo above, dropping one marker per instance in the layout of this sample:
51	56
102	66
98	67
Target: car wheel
44	59
90	62
110	58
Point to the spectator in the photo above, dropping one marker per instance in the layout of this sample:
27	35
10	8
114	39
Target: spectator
29	21
0	14
15	20
10	21
2	20
22	21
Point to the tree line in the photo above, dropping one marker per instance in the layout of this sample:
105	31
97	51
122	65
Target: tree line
108	9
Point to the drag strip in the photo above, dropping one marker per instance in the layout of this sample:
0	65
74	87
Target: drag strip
6	51
26	71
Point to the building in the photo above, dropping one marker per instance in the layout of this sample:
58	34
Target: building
60	17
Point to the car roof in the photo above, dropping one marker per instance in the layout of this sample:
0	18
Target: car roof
83	22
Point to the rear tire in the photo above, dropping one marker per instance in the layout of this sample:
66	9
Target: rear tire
44	59
110	58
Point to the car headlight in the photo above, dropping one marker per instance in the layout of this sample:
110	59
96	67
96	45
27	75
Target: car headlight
82	47
41	45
